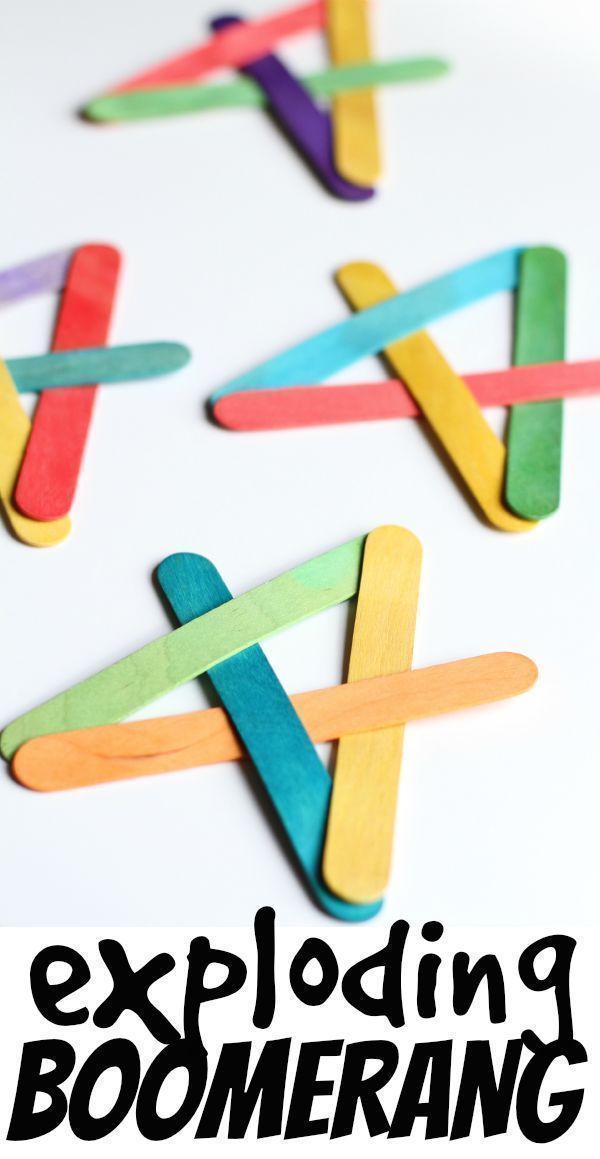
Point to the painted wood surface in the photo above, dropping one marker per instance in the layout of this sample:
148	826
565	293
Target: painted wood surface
14	433
533	466
445	400
322	405
97	364
360	831
38	275
151	671
265	719
357	150
305	123
369	331
231	47
176	100
51	464
115	752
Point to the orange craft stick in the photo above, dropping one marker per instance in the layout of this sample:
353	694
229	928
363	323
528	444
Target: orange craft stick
119	751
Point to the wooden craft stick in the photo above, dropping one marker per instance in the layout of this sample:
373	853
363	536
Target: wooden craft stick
319	405
231	47
33	277
446	402
360	829
50	468
304	122
369	331
175	100
355	134
14	433
97	364
535	429
141	748
138	679
265	719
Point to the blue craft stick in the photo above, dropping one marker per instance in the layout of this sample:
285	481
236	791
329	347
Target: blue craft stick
369	331
271	730
105	364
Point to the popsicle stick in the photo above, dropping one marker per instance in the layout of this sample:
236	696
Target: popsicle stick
535	430
46	274
142	748
151	671
265	719
446	402
50	468
231	47
97	364
14	433
307	125
175	100
355	134
314	406
369	331
360	829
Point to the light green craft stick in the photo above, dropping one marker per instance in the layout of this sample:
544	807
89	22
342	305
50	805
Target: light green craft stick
172	100
97	364
163	665
533	463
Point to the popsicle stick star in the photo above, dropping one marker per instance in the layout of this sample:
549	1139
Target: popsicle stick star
275	395
40	461
342	840
342	148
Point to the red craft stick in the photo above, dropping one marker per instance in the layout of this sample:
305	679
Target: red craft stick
50	467
230	48
315	406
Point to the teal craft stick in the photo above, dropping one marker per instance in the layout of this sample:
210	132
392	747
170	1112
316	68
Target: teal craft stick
264	717
369	331
96	364
159	667
534	446
174	100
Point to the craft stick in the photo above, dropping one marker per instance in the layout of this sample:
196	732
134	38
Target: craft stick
446	402
305	123
50	468
41	274
141	748
355	135
311	406
164	664
14	432
369	331
97	364
231	47
535	429
142	104
360	829
279	746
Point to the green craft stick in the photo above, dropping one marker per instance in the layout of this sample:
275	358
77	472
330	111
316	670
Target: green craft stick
532	487
163	665
97	364
172	100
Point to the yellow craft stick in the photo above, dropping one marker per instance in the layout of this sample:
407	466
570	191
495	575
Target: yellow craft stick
445	400
355	136
360	829
14	433
115	752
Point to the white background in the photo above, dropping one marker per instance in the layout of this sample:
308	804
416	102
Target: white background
230	246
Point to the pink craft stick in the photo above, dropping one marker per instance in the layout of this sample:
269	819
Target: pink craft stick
231	48
312	406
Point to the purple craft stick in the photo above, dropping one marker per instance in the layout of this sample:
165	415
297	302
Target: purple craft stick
308	126
35	277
